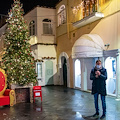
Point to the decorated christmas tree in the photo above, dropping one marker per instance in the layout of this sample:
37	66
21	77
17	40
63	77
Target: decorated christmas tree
17	60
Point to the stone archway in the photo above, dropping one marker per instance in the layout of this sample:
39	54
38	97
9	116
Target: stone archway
60	68
87	48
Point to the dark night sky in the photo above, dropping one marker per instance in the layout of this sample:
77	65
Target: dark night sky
5	5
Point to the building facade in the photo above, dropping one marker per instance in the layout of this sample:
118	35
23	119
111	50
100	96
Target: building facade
42	29
88	30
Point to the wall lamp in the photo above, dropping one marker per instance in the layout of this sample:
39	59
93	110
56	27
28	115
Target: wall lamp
107	45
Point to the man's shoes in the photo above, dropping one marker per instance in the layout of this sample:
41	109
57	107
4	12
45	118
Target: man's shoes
96	115
102	117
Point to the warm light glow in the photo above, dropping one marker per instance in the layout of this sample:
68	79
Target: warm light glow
33	40
86	8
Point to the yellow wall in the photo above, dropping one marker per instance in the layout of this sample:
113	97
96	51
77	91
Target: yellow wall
62	29
108	28
109	7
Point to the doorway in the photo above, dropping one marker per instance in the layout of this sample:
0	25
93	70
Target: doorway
64	70
110	65
49	72
77	74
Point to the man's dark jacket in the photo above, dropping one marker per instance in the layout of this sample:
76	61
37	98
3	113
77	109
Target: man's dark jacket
99	84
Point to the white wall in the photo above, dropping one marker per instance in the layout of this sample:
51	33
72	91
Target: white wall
46	50
32	15
38	14
45	13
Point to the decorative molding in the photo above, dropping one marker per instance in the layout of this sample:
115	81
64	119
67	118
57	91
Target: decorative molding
43	58
39	60
44	44
48	57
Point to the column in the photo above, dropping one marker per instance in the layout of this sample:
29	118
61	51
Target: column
118	76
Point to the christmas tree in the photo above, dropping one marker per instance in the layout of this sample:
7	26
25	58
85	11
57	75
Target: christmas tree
17	60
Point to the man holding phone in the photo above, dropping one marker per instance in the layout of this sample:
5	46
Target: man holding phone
98	76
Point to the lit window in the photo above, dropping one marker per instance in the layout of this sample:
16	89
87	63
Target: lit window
47	26
61	15
32	28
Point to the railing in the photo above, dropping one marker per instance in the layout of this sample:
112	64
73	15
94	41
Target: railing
86	8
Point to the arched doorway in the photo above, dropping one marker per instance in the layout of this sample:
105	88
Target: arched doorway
110	65
61	61
64	70
86	49
77	73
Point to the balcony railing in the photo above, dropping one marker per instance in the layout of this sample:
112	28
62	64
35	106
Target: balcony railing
88	12
86	8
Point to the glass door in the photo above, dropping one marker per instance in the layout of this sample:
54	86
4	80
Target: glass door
110	65
77	74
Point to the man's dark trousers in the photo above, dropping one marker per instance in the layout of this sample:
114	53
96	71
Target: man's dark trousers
96	96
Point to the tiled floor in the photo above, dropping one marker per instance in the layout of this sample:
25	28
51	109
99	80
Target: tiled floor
60	103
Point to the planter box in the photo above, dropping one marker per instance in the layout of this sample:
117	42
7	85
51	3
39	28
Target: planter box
23	93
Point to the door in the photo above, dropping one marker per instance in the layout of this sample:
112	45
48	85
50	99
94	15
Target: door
110	65
64	72
49	72
77	74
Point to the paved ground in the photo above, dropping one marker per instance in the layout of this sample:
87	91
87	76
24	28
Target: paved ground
60	103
